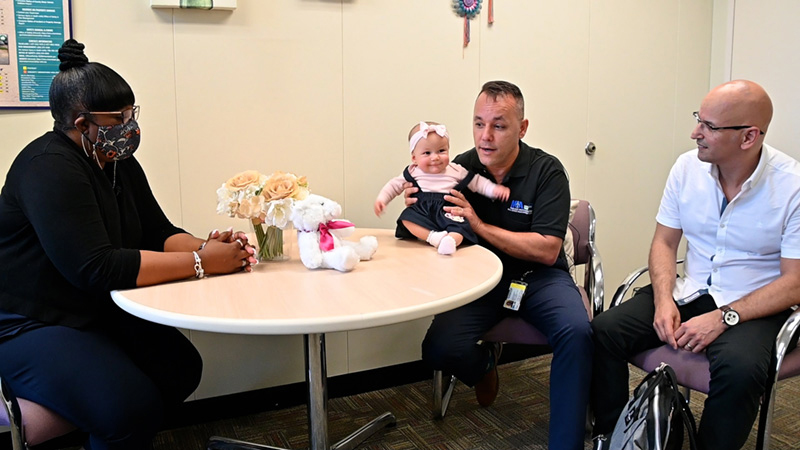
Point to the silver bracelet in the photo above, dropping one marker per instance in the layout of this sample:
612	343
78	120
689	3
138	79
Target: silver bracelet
198	266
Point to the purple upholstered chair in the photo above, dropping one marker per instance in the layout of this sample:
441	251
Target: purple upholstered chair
514	330
692	368
30	423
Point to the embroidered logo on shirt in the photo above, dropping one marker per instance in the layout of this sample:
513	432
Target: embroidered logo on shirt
454	218
518	207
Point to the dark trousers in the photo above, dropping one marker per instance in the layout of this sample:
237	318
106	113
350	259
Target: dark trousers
739	362
552	303
115	381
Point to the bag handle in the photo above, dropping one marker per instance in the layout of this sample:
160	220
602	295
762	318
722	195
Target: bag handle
683	407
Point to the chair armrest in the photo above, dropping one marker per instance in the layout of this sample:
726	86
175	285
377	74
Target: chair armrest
596	280
784	338
623	288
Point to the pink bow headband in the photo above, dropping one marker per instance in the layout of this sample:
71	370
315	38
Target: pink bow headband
424	130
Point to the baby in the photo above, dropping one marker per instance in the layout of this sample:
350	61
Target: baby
432	172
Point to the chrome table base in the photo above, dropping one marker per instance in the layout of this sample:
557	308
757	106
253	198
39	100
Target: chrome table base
316	379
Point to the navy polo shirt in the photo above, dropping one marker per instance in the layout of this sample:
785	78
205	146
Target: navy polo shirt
539	202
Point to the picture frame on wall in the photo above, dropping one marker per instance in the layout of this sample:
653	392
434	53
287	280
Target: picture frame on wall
30	36
194	4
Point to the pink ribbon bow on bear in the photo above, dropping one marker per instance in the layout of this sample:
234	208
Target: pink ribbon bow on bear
325	236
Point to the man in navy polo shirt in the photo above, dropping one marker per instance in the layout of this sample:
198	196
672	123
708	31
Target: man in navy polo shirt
526	232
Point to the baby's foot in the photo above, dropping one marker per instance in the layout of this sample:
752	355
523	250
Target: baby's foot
447	246
435	237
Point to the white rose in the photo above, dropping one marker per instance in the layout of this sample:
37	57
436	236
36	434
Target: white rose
226	202
278	211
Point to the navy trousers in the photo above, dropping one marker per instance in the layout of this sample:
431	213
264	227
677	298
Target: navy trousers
115	381
552	303
738	361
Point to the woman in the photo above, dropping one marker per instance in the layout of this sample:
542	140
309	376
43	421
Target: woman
77	220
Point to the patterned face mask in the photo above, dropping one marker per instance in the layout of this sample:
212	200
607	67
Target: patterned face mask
118	142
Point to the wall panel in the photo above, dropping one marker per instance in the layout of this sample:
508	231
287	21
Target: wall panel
258	89
543	47
644	64
765	37
403	63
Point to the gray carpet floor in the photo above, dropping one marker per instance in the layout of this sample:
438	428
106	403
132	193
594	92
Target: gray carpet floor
517	420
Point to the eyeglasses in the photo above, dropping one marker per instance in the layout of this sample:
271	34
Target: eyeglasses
708	126
124	116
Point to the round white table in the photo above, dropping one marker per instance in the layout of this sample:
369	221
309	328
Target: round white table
405	280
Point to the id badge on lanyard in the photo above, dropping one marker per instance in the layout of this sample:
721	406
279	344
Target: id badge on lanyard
515	292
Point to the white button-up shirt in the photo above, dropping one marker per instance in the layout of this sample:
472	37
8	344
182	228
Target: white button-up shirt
736	251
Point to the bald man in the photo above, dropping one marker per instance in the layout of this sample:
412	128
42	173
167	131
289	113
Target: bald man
737	202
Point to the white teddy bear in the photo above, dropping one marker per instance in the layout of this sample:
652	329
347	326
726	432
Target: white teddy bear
319	236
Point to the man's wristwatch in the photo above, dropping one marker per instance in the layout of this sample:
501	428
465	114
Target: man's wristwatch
729	316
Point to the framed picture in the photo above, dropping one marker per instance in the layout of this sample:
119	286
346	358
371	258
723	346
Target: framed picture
194	4
31	33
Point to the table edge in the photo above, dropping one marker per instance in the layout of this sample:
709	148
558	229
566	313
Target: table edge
307	326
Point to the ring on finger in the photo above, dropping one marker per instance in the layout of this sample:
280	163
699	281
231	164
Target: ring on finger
241	244
244	262
688	346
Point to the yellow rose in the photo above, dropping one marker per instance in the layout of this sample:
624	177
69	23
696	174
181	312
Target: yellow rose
244	180
279	186
302	192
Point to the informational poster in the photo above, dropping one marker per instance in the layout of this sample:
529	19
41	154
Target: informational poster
31	32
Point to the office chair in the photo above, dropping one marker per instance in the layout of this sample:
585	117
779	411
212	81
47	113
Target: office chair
514	330
692	369
29	423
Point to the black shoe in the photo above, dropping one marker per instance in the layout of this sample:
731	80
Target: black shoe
487	388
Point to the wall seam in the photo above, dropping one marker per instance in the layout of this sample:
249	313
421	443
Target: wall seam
588	139
731	36
178	149
676	92
177	128
344	158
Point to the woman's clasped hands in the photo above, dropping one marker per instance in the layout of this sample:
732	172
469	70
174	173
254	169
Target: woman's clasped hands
226	252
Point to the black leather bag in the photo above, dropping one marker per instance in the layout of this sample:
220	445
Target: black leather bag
655	417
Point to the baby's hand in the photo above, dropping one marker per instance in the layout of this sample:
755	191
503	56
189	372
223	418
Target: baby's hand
379	207
502	192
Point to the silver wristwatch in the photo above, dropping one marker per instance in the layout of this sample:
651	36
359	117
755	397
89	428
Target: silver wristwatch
729	315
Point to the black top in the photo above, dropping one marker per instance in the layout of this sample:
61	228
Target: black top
539	202
67	237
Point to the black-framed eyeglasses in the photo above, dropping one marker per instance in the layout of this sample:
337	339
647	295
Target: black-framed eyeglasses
123	116
708	126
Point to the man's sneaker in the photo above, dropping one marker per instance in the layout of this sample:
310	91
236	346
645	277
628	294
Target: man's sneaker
487	388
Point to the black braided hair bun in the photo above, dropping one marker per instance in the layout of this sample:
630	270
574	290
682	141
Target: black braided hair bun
71	55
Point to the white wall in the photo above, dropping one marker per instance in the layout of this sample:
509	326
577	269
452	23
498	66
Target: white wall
329	89
758	41
765	49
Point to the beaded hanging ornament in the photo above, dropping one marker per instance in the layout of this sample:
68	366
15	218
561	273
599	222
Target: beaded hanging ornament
469	9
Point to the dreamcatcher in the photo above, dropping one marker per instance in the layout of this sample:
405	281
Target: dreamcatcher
469	9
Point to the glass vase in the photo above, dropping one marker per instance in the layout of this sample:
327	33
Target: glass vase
272	243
